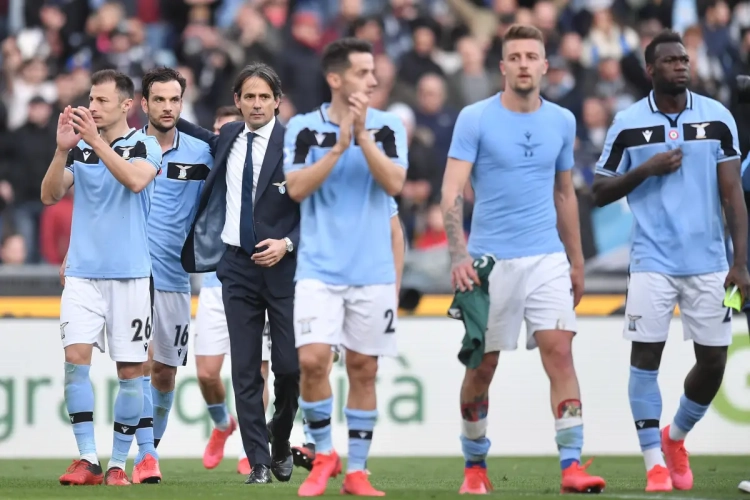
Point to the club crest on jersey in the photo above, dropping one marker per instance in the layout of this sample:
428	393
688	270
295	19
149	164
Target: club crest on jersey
183	171
700	130
631	322
281	186
126	152
673	134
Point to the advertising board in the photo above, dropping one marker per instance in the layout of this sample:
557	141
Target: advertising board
418	396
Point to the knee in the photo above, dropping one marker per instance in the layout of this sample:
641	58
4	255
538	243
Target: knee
312	363
482	375
208	377
163	376
646	356
558	359
361	369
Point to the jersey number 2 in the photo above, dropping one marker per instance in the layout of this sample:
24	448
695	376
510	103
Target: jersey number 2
389	316
728	315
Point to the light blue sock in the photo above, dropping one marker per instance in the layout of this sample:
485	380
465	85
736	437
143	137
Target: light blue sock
318	416
162	406
688	414
645	404
220	415
308	436
144	436
361	423
79	400
475	450
569	443
128	410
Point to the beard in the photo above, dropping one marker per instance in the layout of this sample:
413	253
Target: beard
161	128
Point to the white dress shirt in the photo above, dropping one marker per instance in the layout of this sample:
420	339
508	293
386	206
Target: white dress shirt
230	235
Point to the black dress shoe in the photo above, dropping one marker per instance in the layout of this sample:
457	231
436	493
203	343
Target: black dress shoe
282	463
260	474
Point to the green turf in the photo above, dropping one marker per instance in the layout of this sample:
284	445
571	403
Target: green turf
401	478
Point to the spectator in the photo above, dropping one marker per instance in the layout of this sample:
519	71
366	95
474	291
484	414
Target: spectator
28	152
12	250
433	115
54	229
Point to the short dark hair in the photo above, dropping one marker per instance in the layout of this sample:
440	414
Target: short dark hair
123	83
336	54
666	36
225	111
262	71
162	75
523	32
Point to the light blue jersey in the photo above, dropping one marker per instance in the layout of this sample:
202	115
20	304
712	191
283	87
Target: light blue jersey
108	238
173	206
678	224
515	157
345	235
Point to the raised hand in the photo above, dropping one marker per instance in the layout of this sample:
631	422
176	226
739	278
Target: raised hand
358	103
67	138
84	124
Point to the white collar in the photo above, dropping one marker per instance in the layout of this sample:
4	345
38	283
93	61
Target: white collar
264	131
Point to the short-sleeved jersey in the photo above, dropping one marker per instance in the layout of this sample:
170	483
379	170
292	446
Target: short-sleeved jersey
108	237
345	236
678	225
515	158
173	206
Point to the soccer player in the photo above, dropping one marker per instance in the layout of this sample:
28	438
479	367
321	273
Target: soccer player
304	455
108	263
212	344
675	155
186	162
518	151
344	162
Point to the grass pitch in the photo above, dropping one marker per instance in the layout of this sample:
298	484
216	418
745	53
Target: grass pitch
401	478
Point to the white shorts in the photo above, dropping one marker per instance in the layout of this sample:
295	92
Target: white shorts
211	335
171	327
536	289
651	298
121	307
360	318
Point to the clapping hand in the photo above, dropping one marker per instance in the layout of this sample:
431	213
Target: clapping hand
358	103
84	124
67	138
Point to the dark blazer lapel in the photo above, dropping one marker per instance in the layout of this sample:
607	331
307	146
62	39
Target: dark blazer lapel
274	152
223	154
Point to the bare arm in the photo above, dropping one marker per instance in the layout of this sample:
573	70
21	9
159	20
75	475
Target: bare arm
389	175
135	175
302	183
57	180
452	203
398	247
610	189
733	201
568	223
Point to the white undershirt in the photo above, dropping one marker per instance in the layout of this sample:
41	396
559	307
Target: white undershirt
230	235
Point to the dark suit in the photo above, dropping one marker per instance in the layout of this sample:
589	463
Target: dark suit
249	291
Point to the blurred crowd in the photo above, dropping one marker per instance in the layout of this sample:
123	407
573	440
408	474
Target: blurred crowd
432	58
